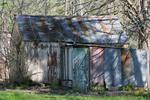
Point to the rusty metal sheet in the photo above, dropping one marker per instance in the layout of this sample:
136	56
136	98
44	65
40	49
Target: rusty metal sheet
43	61
97	66
98	29
139	63
134	65
112	69
127	68
80	68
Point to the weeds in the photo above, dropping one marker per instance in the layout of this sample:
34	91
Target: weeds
140	91
54	84
127	87
98	89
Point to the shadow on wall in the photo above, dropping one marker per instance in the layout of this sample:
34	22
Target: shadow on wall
109	66
43	61
119	67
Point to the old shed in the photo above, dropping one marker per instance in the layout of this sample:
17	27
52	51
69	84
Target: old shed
74	50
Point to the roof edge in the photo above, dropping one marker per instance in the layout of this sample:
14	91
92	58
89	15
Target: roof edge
105	16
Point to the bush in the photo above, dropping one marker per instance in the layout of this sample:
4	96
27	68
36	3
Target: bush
140	91
26	82
127	87
98	89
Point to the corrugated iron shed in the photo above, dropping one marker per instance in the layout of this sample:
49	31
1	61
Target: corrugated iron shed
99	29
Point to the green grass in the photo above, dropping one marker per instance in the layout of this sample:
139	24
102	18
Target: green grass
5	95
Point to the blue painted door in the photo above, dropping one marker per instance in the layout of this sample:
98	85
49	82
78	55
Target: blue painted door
80	68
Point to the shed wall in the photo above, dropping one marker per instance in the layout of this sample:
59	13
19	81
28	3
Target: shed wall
42	61
112	69
97	66
139	63
115	67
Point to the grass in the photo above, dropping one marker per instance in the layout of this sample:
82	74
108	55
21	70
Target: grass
9	95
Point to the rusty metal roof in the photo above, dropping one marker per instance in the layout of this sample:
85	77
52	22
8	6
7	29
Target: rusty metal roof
99	29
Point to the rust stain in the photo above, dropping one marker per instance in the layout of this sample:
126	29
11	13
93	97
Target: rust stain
92	27
71	26
82	26
44	28
52	64
29	29
102	26
125	61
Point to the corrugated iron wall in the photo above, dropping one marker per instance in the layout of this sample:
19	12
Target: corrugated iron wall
139	65
134	67
127	71
42	61
67	68
119	67
112	69
97	66
47	62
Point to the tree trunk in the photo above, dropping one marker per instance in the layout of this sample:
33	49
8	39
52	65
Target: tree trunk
81	7
66	7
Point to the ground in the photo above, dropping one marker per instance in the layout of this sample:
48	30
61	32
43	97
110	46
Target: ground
58	93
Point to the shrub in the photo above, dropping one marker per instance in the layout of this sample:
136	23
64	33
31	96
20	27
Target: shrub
25	82
127	87
98	89
140	91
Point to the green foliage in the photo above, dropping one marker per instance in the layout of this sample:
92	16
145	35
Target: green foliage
127	87
27	82
98	89
140	91
4	4
54	84
73	90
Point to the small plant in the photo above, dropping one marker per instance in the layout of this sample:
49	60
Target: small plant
127	87
98	89
26	82
140	91
54	84
73	90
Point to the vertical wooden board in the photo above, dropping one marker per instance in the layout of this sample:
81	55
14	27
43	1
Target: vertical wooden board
112	69
80	68
139	61
97	66
127	68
